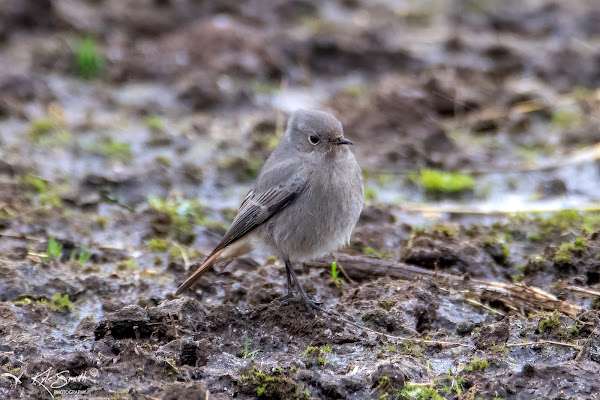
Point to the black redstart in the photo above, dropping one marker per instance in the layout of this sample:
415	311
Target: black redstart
305	202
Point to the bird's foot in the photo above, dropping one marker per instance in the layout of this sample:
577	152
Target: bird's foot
287	297
311	306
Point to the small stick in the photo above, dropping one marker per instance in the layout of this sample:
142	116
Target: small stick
348	279
575	346
583	290
186	260
486	307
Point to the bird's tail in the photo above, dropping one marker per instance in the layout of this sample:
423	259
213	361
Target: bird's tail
199	272
226	254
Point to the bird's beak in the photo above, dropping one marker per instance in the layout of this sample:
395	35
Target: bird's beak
343	141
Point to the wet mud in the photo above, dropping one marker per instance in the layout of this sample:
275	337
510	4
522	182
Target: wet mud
131	130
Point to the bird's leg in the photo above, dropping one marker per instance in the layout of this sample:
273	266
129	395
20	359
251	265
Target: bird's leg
311	306
290	284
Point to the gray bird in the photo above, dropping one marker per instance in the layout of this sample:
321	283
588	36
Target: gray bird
305	202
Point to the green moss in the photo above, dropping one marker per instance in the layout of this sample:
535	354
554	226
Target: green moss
372	252
155	123
59	303
591	221
47	132
356	90
564	254
244	169
500	349
579	243
443	231
102	221
116	150
158	245
275	385
89	62
47	195
549	322
595	305
171	366
120	394
560	221
370	194
383	383
419	392
39	130
22	302
567	119
387	304
435	181
265	87
130	264
534	236
182	215
477	364
165	161
505	252
412	348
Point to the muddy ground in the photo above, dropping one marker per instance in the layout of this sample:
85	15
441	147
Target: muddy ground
130	130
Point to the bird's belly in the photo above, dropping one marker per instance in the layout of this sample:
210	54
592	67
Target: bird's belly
319	222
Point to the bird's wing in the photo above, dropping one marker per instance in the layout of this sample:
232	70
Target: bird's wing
276	187
259	206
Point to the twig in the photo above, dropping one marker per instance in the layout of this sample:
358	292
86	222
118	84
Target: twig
486	307
23	237
337	263
585	349
575	346
583	290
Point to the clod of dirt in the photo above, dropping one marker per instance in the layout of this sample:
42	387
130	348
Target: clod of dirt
186	391
448	250
492	335
135	322
575	263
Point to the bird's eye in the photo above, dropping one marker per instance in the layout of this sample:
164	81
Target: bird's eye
313	139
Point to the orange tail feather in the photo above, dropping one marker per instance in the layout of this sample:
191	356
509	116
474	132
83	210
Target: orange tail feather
199	272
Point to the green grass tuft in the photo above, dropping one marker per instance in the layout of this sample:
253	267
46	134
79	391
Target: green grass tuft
477	364
84	255
89	62
158	245
419	392
59	303
54	249
435	181
335	276
247	353
564	254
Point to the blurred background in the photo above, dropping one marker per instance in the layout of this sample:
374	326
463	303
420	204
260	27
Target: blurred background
125	99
